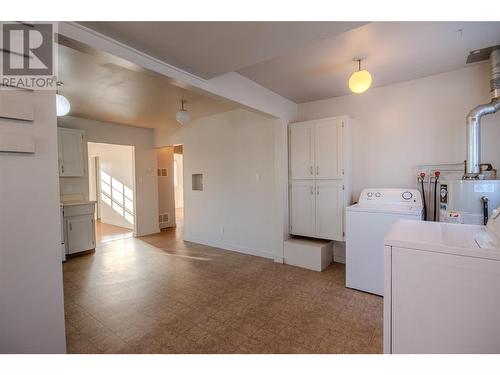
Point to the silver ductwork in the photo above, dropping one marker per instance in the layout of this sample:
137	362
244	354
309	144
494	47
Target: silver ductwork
472	164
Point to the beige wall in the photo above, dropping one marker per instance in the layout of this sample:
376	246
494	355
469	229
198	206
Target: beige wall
31	285
166	203
179	189
411	123
237	210
145	164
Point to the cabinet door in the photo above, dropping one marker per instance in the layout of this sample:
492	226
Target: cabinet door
302	207
329	210
328	150
71	153
302	151
80	233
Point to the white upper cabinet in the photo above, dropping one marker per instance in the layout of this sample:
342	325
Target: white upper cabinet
71	152
302	207
328	149
329	209
302	155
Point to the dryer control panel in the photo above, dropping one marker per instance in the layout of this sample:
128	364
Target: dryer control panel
391	196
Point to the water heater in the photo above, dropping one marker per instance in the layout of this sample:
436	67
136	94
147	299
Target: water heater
468	201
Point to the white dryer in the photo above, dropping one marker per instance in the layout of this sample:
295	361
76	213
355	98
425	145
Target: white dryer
367	222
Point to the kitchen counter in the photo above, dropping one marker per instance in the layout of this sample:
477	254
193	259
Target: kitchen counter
76	203
460	239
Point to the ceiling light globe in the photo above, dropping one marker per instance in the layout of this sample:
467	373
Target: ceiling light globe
182	117
62	105
360	81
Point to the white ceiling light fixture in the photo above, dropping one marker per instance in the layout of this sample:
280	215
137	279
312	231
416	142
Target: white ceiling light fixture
361	80
63	105
182	115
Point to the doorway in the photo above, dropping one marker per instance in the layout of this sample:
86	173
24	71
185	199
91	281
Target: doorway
170	186
111	185
179	185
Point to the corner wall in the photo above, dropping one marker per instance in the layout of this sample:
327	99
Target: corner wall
146	214
237	209
31	284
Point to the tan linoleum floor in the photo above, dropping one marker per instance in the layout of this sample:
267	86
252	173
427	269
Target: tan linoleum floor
159	294
107	232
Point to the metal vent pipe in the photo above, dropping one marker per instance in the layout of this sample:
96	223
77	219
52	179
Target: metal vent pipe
472	169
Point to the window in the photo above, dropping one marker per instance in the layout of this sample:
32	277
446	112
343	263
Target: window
117	196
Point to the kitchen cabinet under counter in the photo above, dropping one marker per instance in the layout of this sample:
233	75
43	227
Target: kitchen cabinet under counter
79	227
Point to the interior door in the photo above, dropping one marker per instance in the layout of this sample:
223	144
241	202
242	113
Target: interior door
70	145
302	151
329	210
80	231
328	150
302	208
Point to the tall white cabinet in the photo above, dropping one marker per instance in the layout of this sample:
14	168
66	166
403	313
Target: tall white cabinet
320	186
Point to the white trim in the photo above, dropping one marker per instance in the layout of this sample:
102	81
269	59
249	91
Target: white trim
231	247
339	259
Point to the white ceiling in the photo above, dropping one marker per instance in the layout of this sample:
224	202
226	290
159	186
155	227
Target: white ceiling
392	52
307	61
210	49
104	88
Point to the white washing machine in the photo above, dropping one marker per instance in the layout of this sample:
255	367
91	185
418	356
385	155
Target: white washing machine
367	223
442	288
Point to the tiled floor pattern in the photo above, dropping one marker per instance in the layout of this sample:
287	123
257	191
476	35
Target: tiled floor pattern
159	294
107	232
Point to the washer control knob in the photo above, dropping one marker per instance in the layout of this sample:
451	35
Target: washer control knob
377	194
407	195
370	195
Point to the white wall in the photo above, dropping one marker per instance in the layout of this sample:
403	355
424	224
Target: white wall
411	123
146	193
166	192
31	288
237	209
179	188
118	162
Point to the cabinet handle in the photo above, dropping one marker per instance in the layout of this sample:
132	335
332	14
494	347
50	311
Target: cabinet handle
311	170
70	226
62	168
317	169
312	190
317	190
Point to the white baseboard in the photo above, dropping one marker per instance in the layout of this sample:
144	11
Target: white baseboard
230	247
339	259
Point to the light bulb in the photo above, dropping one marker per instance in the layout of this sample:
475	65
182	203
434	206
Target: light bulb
182	117
360	81
62	105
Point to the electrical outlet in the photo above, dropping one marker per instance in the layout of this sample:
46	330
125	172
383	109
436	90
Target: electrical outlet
69	188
